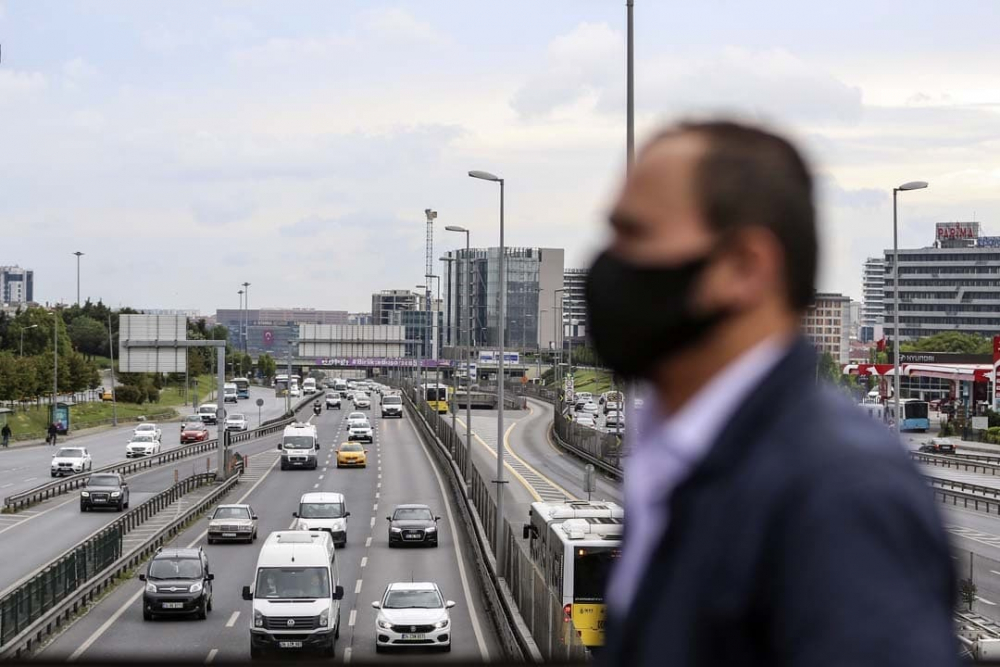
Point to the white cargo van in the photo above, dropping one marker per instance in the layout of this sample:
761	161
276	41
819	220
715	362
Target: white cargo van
299	443
229	394
326	512
309	386
296	594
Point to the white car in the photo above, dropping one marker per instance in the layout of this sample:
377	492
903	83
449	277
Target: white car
584	419
591	408
294	391
71	461
614	420
362	402
236	422
361	431
412	614
148	429
356	417
142	445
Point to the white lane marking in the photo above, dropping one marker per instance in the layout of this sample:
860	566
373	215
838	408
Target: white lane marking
128	603
368	543
347	655
42	513
353	618
30	479
373	522
483	650
379	485
375	507
211	656
6	485
232	619
321	476
984	600
376	495
364	561
357	587
316	486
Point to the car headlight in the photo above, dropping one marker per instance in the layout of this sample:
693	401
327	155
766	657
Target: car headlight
195	588
384	624
441	624
393	529
258	619
85	494
150	588
115	494
324	619
430	529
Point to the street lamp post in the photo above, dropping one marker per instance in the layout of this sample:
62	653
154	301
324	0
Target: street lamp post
435	334
55	361
239	340
420	351
912	185
467	348
33	326
245	329
486	176
557	339
78	255
454	371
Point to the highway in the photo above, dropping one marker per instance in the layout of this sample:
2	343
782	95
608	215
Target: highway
400	471
52	527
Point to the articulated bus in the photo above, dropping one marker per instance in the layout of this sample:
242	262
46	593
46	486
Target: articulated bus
436	396
242	387
915	414
574	545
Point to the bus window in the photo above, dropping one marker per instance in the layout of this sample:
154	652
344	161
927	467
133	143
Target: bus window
590	572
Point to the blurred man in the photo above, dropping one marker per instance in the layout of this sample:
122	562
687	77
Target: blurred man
768	522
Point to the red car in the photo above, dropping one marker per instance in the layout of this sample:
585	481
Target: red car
193	432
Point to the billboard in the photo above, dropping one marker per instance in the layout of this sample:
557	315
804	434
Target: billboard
957	230
988	242
384	362
491	357
146	343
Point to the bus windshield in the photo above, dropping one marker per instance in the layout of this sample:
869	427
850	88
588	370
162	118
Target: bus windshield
915	410
591	567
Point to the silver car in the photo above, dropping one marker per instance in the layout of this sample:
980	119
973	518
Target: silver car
235	523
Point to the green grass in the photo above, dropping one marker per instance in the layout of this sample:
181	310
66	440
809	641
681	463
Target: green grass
596	382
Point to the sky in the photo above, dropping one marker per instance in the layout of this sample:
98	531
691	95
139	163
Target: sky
190	146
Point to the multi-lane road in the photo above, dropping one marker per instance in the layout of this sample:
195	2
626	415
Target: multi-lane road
400	470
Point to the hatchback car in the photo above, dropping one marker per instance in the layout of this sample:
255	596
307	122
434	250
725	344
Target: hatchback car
413	524
178	581
106	489
232	522
412	614
237	422
362	402
361	431
352	455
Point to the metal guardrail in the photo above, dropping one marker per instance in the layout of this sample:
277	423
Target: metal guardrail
23	499
964	462
33	607
968	498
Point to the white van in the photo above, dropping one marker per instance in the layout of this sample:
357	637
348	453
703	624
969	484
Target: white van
229	394
209	413
326	512
299	444
309	386
296	594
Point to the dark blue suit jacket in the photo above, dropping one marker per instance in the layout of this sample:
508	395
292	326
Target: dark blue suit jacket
806	537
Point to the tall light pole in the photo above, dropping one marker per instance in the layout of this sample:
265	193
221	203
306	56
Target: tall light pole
78	255
239	341
467	348
629	95
55	361
912	185
557	342
420	349
114	397
487	176
434	341
33	326
451	337
246	319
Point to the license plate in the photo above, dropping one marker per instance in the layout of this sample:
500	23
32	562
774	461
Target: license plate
229	534
414	636
100	500
411	537
173	605
290	644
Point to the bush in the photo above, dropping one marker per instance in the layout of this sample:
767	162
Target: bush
153	395
130	394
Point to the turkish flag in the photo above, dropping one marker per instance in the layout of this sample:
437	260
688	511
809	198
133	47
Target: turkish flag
880	346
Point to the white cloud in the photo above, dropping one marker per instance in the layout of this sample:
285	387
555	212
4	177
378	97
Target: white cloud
399	26
16	85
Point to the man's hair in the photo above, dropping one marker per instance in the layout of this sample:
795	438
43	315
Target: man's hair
753	178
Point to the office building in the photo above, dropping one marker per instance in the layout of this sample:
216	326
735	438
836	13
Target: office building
532	276
827	322
575	306
855	320
388	301
269	329
17	285
952	285
872	292
359	318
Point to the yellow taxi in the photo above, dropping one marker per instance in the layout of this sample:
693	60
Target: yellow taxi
352	455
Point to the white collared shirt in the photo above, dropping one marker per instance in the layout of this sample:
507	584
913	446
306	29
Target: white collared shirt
667	450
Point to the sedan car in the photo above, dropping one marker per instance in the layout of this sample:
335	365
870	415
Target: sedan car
615	420
362	402
332	401
148	429
361	431
194	432
237	422
356	417
178	581
938	446
142	445
295	391
413	524
71	461
232	522
352	455
412	614
107	489
583	419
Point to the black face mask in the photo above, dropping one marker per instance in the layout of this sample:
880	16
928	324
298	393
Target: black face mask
640	316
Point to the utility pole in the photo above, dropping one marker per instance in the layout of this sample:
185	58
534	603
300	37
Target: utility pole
246	320
78	255
114	397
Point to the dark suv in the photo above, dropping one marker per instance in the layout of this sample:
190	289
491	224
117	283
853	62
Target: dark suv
413	524
178	581
106	489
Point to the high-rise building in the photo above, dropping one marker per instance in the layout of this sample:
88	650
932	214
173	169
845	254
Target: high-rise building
827	323
359	318
872	292
574	313
855	320
387	301
531	277
17	285
953	285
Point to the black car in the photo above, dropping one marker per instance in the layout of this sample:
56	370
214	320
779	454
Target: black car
106	489
413	524
179	582
938	446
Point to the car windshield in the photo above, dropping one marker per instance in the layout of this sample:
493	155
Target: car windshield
68	453
321	510
142	438
146	427
175	568
207	410
103	480
236	418
360	424
412	514
231	513
293	583
356	415
298	442
194	426
413	600
351	447
391	400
